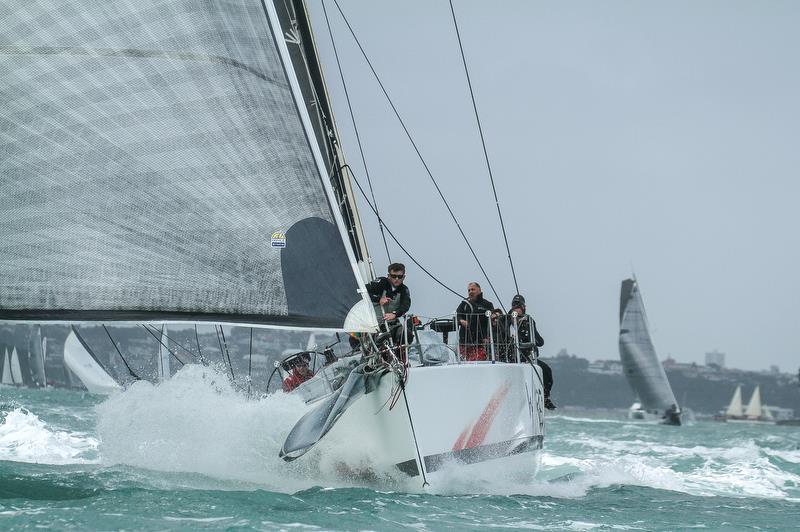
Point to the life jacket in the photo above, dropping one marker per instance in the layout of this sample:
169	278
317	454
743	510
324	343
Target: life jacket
294	380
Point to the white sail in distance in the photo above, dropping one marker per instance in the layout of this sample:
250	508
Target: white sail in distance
641	366
79	360
16	370
754	406
735	406
7	379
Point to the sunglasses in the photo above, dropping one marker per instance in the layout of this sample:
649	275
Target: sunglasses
395	276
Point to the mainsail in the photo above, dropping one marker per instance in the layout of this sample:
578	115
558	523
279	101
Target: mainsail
735	406
754	406
641	366
159	163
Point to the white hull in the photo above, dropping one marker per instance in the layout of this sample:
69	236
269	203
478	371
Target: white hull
637	413
462	415
751	421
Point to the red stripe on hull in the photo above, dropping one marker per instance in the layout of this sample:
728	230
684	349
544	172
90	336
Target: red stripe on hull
481	427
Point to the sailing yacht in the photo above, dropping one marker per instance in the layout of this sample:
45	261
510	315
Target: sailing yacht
755	412
199	143
645	374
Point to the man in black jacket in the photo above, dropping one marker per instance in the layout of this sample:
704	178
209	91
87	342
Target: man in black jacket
473	330
529	343
389	295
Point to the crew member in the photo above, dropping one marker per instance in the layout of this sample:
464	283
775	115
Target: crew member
473	330
299	374
391	298
524	324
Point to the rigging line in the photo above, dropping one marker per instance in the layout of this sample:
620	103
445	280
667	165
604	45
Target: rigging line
410	256
146	328
199	349
295	36
171	339
250	363
483	143
414	434
228	353
221	350
419	154
134	375
355	129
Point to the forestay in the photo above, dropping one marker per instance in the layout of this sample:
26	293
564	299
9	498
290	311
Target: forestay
640	363
156	165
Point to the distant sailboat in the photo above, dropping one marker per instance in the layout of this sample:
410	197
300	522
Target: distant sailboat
36	358
16	370
7	379
79	359
645	374
754	413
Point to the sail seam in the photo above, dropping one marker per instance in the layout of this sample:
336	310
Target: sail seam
131	52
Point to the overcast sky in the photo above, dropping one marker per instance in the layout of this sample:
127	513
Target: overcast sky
624	136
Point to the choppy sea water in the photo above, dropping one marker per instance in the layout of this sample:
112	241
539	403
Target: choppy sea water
193	454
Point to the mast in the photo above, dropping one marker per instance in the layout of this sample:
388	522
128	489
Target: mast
295	21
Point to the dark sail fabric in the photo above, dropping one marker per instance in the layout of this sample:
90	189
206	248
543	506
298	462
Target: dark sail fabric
155	165
37	357
640	363
294	21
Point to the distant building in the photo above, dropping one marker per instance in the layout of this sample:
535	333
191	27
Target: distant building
606	367
716	358
775	370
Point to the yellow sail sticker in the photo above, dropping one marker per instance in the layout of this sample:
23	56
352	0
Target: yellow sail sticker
278	239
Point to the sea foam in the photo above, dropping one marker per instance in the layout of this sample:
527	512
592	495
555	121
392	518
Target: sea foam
197	423
26	438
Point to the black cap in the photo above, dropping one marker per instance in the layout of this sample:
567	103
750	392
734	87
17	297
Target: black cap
518	301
